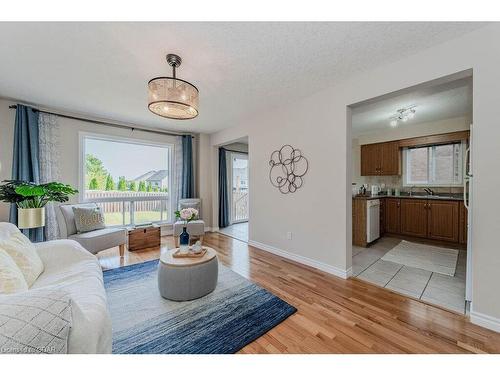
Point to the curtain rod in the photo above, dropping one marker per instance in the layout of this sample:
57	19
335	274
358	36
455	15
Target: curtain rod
106	123
239	152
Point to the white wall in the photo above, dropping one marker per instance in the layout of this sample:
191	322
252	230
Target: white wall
320	126
205	178
402	132
69	153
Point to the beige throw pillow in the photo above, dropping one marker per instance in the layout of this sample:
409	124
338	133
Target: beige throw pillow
88	219
24	254
11	278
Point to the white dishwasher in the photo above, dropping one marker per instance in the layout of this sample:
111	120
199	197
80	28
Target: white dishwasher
372	220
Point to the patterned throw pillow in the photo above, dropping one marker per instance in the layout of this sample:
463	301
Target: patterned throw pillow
24	254
88	219
11	277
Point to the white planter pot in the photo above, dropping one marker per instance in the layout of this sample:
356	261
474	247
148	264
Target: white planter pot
30	217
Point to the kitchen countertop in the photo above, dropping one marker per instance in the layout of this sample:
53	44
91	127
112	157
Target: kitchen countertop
445	197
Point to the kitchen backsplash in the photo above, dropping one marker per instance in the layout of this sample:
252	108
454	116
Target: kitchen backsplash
396	182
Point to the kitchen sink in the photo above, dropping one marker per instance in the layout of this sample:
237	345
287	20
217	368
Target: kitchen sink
428	196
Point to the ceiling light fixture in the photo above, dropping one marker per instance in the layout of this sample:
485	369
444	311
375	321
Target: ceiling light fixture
172	97
403	114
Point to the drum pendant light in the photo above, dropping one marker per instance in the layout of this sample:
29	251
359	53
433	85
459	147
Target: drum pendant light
172	97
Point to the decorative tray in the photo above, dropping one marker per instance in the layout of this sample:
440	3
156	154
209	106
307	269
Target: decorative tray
177	254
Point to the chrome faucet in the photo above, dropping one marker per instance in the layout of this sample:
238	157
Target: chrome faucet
429	191
411	189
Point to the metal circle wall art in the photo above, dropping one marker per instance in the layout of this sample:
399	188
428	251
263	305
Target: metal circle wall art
288	167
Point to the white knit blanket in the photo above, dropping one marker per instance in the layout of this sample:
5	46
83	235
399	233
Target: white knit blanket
37	321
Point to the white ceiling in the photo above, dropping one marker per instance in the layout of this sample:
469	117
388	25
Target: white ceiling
101	69
433	103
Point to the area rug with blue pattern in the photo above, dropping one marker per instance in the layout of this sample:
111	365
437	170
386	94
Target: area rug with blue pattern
236	313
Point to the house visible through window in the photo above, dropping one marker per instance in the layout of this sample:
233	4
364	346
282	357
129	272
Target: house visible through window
439	165
129	180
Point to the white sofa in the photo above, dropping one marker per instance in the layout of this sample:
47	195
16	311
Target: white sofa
67	265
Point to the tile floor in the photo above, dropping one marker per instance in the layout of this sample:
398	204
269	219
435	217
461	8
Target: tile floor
435	288
238	231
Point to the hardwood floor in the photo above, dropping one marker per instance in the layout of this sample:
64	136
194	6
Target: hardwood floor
336	315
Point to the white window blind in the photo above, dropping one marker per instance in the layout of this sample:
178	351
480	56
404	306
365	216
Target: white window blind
438	165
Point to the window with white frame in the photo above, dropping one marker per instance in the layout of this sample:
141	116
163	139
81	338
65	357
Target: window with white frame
130	180
436	165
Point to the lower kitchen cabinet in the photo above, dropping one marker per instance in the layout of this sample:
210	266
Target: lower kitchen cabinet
359	222
443	218
433	219
392	215
382	217
414	217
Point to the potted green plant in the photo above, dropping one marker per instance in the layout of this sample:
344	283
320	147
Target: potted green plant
31	198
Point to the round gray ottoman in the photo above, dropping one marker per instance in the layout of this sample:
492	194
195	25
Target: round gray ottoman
184	279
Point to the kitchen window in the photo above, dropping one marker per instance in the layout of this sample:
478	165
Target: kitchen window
130	180
437	165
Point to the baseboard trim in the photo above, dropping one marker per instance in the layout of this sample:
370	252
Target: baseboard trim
344	274
485	321
349	272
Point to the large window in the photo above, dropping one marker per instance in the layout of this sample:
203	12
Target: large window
129	180
439	165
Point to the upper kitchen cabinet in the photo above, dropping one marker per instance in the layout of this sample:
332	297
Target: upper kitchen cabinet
390	163
381	159
370	160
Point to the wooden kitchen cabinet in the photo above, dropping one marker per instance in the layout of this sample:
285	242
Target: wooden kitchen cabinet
370	160
414	217
359	222
382	217
427	218
390	159
443	220
380	159
392	215
462	226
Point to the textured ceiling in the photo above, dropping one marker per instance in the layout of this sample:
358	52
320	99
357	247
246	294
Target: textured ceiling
433	103
101	69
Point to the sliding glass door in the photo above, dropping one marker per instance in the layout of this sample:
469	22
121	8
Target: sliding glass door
239	187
